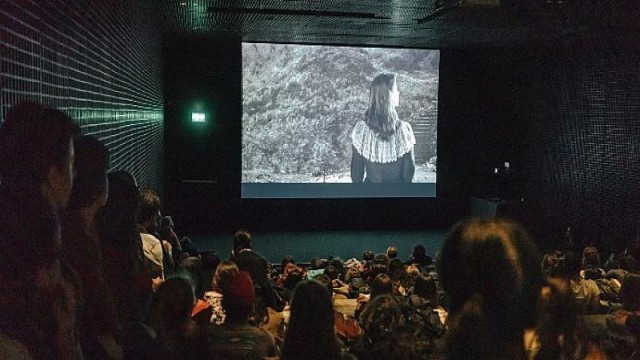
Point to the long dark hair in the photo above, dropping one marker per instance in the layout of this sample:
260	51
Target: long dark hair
381	115
311	333
490	270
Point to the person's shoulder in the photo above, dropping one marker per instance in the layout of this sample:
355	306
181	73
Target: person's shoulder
149	238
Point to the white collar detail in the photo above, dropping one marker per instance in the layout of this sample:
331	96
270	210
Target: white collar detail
368	144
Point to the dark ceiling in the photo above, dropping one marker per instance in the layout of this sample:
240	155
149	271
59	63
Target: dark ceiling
403	23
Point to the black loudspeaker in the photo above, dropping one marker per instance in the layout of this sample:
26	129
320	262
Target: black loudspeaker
496	207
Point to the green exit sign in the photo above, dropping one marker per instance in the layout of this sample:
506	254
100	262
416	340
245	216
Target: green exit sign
198	117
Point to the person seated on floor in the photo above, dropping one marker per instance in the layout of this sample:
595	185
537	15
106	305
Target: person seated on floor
257	266
591	264
316	267
381	285
353	277
241	242
402	282
375	270
381	318
81	248
148	224
171	244
286	261
424	295
629	315
586	291
311	330
367	262
340	289
407	342
420	256
288	267
338	263
191	269
559	327
224	273
237	338
392	252
622	340
553	264
295	275
171	333
631	259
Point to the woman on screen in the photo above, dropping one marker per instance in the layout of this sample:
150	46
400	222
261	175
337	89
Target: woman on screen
382	144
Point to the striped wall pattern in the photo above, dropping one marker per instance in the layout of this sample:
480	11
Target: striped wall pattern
99	61
581	134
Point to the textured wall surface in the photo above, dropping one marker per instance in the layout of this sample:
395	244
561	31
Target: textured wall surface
583	134
569	116
99	61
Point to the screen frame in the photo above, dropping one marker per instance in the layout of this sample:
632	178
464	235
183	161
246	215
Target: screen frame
310	191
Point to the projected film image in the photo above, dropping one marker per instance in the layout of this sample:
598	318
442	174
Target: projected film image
308	108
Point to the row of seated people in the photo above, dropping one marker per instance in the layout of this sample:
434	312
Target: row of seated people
84	276
416	295
403	312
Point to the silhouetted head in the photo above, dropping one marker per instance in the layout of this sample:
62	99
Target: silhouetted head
491	271
381	284
590	256
392	252
224	272
425	287
286	260
149	210
241	241
36	151
311	332
171	306
122	203
368	255
239	297
91	165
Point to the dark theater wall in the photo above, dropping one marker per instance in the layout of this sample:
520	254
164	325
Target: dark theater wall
99	61
567	116
581	135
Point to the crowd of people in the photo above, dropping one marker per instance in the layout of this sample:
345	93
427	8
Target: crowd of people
92	270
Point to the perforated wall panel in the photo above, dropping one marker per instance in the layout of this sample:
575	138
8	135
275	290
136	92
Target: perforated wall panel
99	61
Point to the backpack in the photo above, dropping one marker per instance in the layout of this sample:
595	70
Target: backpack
420	313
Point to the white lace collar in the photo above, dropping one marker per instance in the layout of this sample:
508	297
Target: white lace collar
368	144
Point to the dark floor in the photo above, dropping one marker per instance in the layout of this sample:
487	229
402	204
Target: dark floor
306	246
